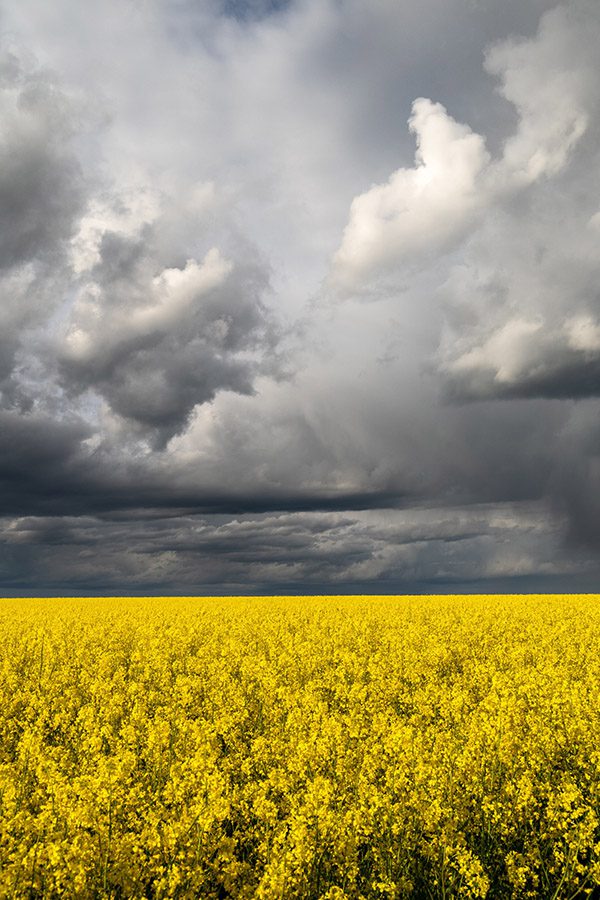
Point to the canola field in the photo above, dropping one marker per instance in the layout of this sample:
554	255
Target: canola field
282	748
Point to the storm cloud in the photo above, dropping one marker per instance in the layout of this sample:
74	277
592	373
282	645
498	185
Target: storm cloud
299	296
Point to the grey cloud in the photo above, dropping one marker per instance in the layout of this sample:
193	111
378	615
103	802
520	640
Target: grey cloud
156	334
523	328
51	466
41	198
38	461
397	551
253	9
557	378
41	180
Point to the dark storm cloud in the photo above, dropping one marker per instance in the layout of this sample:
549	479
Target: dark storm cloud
51	467
261	553
38	462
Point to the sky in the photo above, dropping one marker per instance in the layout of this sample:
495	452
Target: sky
299	296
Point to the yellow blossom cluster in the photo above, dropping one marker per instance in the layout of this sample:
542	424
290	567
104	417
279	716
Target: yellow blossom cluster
341	748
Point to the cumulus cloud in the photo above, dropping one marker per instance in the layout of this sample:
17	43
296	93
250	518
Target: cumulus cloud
552	83
427	210
522	303
110	287
156	340
522	306
524	359
419	210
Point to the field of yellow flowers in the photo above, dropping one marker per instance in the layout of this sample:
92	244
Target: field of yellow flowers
339	747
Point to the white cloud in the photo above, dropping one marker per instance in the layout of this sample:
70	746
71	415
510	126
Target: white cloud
548	81
423	212
419	210
506	353
583	333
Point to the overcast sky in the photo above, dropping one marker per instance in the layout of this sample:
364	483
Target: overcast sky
299	297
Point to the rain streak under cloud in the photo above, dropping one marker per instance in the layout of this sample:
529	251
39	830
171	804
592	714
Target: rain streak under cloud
299	296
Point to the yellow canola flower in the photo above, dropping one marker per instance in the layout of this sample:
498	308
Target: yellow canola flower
335	748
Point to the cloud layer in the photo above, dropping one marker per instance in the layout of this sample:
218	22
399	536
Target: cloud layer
299	294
